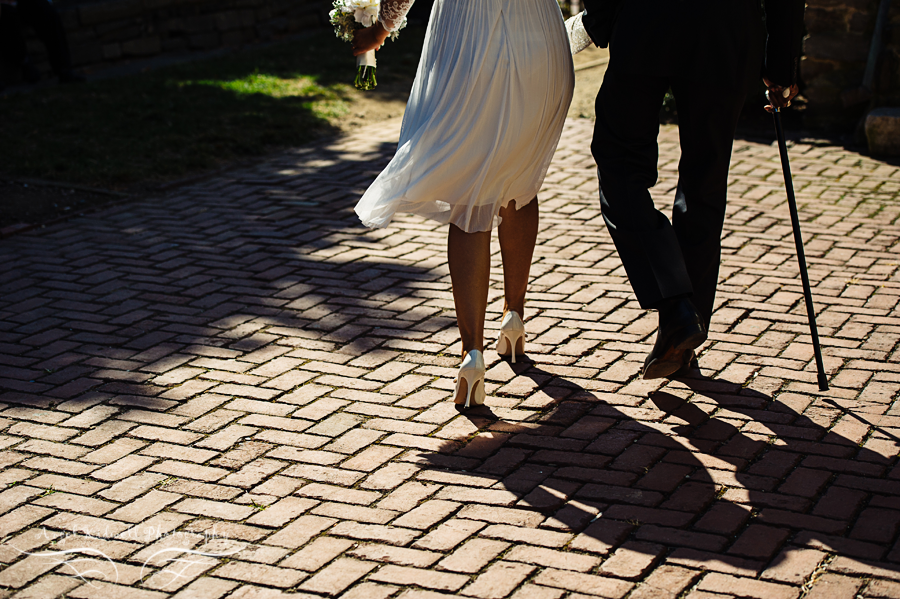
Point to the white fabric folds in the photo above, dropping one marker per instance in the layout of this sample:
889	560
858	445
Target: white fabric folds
484	117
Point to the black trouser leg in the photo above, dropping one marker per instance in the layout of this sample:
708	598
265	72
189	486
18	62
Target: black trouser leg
706	126
625	148
42	16
12	40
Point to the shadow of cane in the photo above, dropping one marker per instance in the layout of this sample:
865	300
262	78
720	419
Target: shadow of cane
717	476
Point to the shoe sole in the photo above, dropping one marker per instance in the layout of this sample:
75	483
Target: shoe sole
672	361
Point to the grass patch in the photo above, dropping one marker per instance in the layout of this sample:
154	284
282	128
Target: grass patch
188	118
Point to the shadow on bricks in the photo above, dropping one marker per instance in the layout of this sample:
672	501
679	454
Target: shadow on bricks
239	368
742	492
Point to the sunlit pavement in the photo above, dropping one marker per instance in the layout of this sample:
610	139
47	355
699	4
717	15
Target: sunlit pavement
235	390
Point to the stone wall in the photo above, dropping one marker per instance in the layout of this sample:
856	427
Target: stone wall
835	51
111	31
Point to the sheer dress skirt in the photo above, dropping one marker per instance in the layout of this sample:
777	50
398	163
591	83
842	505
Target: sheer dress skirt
484	116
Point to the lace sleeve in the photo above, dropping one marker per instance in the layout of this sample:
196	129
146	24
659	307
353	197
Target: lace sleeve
578	37
392	13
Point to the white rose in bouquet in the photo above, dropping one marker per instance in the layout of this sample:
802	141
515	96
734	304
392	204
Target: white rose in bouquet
347	17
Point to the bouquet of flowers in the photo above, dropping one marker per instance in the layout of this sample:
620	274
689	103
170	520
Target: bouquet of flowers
347	17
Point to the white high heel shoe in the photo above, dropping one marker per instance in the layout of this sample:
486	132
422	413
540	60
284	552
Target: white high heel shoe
472	371
511	330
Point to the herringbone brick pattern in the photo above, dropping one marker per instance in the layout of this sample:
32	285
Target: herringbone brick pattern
234	390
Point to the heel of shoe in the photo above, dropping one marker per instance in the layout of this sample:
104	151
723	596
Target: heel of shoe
511	331
472	372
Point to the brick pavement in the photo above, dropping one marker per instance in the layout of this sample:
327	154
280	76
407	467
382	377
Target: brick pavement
236	391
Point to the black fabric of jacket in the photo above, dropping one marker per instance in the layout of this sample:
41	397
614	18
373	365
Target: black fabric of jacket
713	41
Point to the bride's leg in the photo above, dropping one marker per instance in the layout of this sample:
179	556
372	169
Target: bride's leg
518	235
469	255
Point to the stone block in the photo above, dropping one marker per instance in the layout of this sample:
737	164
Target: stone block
83	54
80	35
173	26
90	14
228	20
112	51
177	44
248	17
145	46
827	20
151	6
199	24
812	68
843	48
854	4
883	132
36	49
279	24
117	31
887	77
204	41
232	38
861	23
69	18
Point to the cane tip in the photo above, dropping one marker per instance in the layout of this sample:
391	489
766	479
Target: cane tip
823	382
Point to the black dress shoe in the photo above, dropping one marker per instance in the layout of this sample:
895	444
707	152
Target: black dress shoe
690	366
680	331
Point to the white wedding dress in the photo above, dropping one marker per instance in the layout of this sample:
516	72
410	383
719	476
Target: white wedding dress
484	116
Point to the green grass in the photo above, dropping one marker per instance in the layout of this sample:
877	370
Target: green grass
188	118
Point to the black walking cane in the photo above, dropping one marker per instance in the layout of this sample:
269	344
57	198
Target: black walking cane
801	256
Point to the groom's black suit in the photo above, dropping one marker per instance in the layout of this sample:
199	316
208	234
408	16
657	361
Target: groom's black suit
710	53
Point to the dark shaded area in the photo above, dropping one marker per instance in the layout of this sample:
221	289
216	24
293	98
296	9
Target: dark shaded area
31	203
645	485
192	117
254	261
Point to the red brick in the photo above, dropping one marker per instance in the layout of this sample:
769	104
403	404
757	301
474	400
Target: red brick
587	583
793	565
794	520
260	574
723	583
499	580
317	553
395	555
805	482
472	556
717	562
665	582
723	518
664	477
301	530
839	503
561	560
632	560
759	542
337	576
601	536
691	497
427	514
832	586
448	535
876	525
442	581
391	535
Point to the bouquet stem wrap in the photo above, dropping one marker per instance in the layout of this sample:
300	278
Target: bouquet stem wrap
365	71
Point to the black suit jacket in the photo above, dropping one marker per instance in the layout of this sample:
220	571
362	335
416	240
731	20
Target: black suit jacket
714	41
